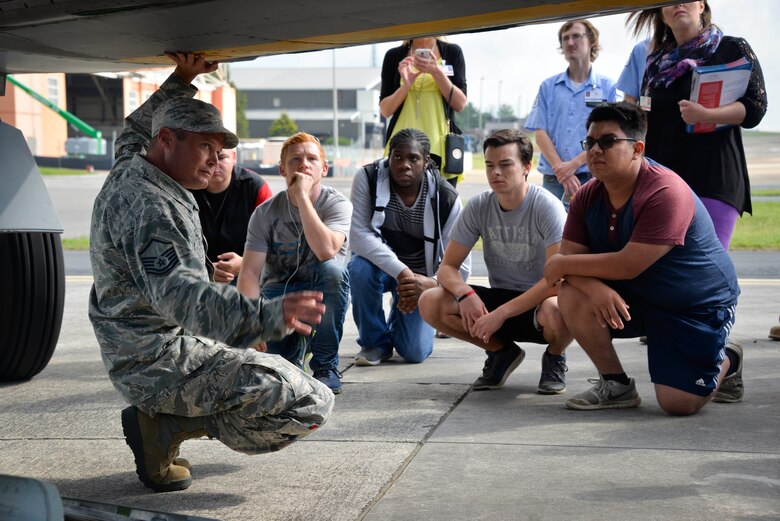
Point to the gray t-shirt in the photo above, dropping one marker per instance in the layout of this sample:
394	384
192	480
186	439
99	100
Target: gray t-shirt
514	242
275	228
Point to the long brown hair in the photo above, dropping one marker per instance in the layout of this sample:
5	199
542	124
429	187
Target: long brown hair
650	21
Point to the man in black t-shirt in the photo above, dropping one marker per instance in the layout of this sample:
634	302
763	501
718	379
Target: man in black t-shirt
225	207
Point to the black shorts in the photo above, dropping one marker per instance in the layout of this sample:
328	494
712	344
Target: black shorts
520	328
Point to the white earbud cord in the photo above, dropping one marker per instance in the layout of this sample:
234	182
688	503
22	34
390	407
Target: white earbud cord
302	339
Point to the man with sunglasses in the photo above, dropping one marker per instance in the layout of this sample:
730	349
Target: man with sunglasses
562	106
640	256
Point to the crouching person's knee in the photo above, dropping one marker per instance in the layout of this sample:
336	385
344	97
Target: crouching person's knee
416	356
332	274
677	402
428	305
279	404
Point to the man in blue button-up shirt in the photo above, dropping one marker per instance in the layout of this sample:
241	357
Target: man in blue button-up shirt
562	107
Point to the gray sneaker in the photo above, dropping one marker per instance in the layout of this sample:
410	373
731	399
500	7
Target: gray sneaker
553	380
606	394
498	366
372	356
732	389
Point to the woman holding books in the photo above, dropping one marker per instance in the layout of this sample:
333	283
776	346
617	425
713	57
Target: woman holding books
713	162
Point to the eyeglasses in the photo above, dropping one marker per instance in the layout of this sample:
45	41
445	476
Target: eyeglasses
576	37
604	143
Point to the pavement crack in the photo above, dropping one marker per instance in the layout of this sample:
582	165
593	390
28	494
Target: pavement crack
408	460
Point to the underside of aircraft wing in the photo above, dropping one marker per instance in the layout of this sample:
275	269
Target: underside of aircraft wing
103	35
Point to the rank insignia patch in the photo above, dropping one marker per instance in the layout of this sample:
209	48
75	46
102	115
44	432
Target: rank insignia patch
159	258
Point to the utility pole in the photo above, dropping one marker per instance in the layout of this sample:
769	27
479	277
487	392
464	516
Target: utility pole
498	109
335	111
481	90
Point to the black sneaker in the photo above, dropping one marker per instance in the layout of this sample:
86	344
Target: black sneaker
330	377
498	366
553	380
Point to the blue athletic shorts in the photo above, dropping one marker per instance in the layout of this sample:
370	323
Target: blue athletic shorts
520	328
684	350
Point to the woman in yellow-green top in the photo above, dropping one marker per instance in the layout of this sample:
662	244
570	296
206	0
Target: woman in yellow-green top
416	87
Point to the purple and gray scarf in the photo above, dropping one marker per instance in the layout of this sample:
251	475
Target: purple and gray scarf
669	63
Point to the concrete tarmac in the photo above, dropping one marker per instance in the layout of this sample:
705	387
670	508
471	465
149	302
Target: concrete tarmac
408	442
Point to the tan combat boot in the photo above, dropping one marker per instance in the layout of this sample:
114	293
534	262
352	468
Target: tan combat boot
774	332
155	443
182	462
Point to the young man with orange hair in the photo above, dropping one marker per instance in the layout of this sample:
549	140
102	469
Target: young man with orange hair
298	239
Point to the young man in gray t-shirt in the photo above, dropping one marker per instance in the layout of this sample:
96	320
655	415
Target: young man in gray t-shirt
296	240
521	227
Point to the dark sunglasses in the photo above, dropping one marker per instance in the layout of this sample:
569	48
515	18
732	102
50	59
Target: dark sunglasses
604	143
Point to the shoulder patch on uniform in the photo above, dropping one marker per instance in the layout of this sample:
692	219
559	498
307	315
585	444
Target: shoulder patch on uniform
159	257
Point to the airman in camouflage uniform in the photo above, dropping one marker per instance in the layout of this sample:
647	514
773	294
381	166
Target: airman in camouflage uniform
155	311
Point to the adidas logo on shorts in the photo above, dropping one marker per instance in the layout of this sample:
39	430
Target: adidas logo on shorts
700	382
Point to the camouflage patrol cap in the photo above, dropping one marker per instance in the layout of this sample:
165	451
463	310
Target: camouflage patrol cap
192	115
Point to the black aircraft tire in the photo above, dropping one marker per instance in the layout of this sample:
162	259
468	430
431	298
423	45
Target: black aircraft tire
32	298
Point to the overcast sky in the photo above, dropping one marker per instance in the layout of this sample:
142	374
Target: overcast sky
511	63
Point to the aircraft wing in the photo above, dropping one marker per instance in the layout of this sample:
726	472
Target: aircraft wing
103	35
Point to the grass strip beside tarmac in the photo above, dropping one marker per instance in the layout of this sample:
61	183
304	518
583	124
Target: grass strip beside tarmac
765	192
76	244
47	170
760	231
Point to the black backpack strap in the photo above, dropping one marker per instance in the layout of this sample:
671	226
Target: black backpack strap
372	171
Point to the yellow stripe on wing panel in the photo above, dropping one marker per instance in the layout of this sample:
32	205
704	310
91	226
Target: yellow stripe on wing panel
495	20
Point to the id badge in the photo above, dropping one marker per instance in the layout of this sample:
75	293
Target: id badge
448	70
593	97
645	103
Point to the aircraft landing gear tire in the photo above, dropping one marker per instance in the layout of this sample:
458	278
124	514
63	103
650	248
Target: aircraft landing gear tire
32	298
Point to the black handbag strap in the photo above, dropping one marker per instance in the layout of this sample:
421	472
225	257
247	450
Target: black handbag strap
449	108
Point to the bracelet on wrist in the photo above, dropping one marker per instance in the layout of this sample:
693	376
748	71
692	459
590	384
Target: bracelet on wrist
465	296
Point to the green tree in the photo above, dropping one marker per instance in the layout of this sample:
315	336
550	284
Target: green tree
242	124
282	126
343	141
468	117
506	113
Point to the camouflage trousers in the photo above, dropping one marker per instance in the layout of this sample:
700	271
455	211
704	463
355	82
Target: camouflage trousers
252	402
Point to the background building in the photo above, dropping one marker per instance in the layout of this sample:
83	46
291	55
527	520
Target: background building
104	100
44	130
101	102
306	95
